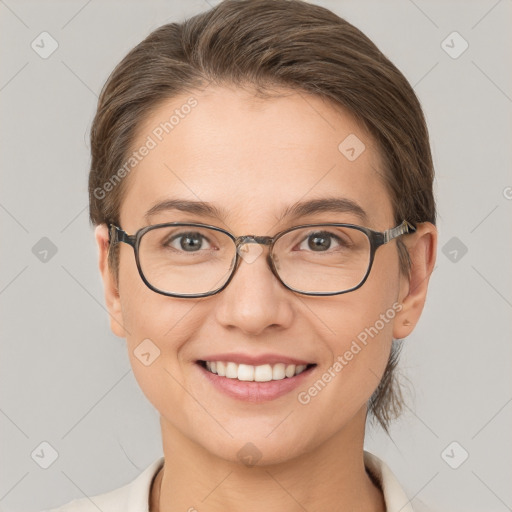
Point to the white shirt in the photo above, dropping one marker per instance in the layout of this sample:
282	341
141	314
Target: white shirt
134	497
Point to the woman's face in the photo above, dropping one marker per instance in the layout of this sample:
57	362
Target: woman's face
253	159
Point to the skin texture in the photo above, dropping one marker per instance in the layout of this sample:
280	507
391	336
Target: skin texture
254	157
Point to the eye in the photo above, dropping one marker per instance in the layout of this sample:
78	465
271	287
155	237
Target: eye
322	241
191	241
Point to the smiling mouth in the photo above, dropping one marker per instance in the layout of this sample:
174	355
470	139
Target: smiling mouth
250	373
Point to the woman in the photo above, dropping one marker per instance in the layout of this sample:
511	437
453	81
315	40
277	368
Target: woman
261	183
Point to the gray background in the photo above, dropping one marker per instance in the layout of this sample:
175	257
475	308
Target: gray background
66	380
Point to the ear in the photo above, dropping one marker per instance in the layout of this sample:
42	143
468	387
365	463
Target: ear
422	247
112	299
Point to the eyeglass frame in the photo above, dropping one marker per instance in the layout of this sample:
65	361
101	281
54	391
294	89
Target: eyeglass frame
376	238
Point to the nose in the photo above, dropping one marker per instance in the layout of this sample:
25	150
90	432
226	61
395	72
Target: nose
254	299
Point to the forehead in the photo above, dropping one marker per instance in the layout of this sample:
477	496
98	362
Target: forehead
253	157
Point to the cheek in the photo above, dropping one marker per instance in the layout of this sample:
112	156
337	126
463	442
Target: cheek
360	338
359	354
156	328
146	314
376	306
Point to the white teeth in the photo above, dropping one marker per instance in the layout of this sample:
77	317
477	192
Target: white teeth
261	373
245	372
290	370
221	369
231	370
278	371
300	368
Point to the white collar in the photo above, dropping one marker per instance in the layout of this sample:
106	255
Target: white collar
394	496
134	497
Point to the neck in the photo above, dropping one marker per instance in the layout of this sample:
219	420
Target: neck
332	476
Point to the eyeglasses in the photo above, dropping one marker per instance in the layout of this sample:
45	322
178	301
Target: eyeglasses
198	260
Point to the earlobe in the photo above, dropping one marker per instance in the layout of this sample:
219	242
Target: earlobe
422	247
110	287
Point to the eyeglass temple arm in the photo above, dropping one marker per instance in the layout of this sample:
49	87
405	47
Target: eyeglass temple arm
405	227
116	235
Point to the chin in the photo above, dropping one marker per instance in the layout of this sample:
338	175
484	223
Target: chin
255	449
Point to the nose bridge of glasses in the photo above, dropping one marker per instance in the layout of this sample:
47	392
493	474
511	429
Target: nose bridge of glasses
253	239
248	254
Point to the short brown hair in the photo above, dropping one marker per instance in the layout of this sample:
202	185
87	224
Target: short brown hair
264	44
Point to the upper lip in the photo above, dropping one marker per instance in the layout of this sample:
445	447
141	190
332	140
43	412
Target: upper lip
255	360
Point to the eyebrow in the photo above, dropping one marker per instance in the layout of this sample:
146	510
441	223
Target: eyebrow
294	211
182	205
325	205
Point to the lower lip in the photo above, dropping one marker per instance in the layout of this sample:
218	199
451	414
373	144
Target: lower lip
256	392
